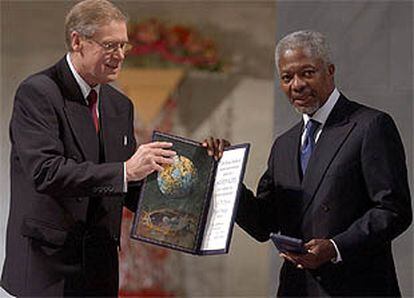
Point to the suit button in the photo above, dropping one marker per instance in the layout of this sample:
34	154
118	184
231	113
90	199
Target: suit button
325	208
318	277
116	238
79	199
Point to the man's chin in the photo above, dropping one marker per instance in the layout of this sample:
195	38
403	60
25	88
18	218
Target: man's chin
110	78
309	110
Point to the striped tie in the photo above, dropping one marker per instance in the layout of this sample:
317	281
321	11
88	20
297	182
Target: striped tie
308	144
92	102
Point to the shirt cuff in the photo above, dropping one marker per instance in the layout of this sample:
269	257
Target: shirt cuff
125	189
338	254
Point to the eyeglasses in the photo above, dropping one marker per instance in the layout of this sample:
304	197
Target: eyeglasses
111	47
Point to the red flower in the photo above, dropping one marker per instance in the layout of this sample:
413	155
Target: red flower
155	42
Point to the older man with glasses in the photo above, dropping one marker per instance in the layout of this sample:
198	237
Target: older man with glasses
74	164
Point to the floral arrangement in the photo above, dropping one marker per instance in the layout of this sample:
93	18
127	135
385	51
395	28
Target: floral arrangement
157	44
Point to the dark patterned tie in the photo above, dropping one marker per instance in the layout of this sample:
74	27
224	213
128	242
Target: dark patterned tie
308	144
92	102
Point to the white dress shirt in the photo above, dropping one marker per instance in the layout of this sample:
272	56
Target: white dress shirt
85	88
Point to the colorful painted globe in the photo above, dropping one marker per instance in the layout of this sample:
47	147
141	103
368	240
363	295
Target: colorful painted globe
177	180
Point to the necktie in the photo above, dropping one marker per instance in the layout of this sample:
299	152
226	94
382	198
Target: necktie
94	202
308	144
92	102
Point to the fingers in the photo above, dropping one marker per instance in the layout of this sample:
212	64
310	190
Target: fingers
292	259
162	160
152	167
154	150
163	152
318	252
301	261
310	244
221	148
158	145
209	144
149	158
156	167
286	257
215	147
311	247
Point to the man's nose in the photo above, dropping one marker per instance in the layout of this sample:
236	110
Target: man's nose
119	53
298	84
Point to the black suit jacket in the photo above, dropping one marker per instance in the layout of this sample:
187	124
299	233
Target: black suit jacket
355	191
55	172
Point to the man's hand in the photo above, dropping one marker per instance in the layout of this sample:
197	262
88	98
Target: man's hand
215	147
319	251
147	159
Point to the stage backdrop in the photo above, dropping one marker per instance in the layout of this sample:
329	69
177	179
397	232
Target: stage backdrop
373	49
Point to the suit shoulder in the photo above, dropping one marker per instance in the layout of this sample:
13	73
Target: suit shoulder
39	88
42	82
121	99
290	133
285	139
40	79
368	115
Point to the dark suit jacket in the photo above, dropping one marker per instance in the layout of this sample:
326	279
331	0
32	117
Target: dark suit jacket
355	191
55	172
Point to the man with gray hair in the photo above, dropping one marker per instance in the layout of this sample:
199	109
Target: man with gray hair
337	180
74	164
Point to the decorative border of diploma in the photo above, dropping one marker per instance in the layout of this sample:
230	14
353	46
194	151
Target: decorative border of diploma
191	206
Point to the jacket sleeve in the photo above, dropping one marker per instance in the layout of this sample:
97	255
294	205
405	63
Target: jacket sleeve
35	136
134	188
385	174
257	215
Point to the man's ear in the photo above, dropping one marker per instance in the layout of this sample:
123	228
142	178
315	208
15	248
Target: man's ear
331	69
76	43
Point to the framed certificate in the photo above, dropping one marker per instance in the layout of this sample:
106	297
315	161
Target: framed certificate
191	205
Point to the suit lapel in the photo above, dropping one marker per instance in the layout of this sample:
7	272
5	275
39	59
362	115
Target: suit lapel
112	125
292	155
77	113
334	134
83	129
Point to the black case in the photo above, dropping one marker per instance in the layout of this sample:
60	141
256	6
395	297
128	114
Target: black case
288	244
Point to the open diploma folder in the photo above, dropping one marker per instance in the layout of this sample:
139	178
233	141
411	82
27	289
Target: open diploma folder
191	205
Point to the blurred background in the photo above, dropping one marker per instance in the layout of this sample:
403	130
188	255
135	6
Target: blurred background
219	79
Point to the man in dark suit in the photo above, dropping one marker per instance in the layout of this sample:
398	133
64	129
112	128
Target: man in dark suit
337	180
74	164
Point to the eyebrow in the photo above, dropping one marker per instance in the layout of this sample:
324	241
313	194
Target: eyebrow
300	68
116	41
309	66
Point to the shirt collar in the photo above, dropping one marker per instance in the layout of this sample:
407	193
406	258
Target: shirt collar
85	88
322	114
